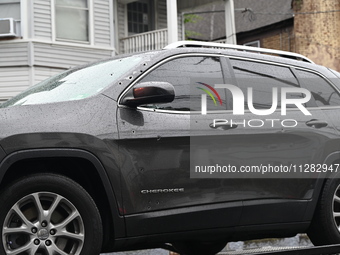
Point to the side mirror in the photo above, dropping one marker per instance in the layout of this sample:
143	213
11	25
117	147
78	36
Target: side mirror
149	93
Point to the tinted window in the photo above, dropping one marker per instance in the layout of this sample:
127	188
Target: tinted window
191	77
323	93
262	78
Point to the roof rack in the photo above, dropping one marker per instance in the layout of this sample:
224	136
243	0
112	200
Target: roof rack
280	53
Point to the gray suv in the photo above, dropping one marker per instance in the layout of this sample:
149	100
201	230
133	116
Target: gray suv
184	148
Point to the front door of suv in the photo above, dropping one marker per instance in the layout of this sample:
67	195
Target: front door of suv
155	147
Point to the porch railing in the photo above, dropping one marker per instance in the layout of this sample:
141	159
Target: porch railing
221	41
153	40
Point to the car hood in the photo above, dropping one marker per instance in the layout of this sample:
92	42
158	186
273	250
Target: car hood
81	116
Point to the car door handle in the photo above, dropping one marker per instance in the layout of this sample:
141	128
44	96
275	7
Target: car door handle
224	126
317	123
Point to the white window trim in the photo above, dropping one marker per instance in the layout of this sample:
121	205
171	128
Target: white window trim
91	21
252	43
10	2
73	42
113	24
53	32
24	19
126	30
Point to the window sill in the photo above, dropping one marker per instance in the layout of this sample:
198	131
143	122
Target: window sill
72	41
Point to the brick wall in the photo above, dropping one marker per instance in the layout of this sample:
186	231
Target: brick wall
317	30
282	39
278	37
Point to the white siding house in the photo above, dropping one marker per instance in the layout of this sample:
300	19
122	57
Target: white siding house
39	38
38	49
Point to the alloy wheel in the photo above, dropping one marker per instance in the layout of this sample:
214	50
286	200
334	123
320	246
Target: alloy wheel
43	223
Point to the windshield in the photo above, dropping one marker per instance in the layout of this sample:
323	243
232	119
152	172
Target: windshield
75	84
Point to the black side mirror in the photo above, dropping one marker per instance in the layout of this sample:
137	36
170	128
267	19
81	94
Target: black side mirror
149	93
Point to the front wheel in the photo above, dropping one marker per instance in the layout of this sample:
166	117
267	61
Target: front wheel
49	214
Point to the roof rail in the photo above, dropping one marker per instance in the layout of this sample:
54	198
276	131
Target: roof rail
280	53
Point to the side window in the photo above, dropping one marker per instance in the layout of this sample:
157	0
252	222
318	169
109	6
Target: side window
262	78
139	16
324	94
72	20
191	77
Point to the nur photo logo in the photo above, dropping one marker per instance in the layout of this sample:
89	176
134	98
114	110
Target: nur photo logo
280	97
204	96
239	99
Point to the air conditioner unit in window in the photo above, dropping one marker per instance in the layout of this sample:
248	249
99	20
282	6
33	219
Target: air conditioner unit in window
8	27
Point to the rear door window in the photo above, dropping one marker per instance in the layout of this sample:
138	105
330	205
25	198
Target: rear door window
262	78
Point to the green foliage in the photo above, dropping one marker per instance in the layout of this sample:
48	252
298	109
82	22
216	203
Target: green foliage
191	18
298	4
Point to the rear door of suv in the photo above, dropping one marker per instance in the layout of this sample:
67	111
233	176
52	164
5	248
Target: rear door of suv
295	145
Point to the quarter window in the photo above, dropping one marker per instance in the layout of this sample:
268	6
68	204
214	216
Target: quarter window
323	93
72	20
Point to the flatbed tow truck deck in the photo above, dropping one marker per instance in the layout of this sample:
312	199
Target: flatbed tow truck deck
311	250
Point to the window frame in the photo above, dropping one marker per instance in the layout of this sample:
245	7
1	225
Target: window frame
89	27
226	65
17	21
309	105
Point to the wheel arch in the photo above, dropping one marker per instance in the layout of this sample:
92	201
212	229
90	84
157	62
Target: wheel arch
333	158
93	178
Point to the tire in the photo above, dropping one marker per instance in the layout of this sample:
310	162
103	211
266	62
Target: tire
199	248
46	214
325	226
